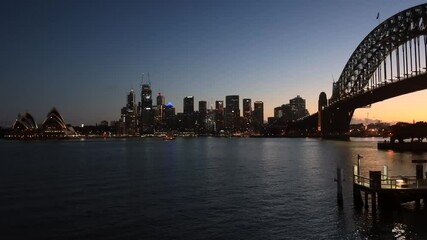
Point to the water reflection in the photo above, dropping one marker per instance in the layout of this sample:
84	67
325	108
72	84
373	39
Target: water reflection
199	187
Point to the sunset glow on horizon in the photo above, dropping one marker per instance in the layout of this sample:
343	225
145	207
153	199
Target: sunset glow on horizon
82	57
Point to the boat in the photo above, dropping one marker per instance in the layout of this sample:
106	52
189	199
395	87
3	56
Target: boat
168	137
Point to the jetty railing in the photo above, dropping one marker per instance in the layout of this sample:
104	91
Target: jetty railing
392	182
361	180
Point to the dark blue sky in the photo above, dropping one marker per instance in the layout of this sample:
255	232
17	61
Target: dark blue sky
84	56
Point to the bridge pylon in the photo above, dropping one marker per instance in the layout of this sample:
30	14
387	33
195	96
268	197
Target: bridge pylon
336	122
333	120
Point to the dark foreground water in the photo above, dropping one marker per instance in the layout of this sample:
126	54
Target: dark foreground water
195	188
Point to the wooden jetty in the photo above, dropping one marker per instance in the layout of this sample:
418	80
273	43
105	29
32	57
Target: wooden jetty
389	191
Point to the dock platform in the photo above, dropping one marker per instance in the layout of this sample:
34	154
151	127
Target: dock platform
389	191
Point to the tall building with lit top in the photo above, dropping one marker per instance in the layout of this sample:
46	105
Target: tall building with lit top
219	116
170	117
247	108
247	112
232	112
188	105
219	105
147	118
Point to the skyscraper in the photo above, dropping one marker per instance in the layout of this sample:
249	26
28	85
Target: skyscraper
232	111
247	108
129	116
160	99
170	116
247	112
298	107
258	116
201	118
146	109
188	105
159	115
203	107
219	116
219	105
130	104
188	116
283	114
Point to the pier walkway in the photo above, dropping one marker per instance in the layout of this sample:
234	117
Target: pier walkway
389	191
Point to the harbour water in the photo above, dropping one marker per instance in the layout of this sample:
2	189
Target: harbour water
195	188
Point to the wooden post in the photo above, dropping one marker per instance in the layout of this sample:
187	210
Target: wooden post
357	197
375	185
339	180
419	171
374	201
366	199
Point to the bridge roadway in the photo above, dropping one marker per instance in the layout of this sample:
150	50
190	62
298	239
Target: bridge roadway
385	91
309	126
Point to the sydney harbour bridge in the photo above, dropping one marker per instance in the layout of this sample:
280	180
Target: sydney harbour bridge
389	62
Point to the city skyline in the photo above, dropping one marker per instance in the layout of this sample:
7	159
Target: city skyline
83	57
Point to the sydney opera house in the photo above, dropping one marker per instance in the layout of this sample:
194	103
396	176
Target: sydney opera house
25	127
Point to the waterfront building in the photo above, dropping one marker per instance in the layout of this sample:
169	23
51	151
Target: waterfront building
232	112
147	119
258	114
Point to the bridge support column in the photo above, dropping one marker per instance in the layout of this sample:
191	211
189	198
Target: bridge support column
335	121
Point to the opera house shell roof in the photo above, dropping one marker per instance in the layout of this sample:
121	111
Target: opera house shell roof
54	120
53	127
25	122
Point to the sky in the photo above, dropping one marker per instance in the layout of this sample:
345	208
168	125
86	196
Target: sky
83	57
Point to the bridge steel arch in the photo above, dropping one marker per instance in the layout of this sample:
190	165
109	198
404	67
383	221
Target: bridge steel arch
379	44
394	51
